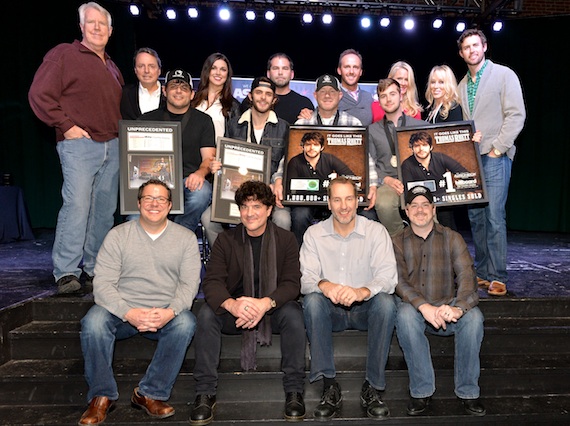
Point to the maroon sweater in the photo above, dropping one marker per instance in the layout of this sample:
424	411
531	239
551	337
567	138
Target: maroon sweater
73	86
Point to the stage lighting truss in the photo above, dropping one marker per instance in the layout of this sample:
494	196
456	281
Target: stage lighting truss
379	12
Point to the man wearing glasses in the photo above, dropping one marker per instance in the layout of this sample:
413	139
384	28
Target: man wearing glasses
146	277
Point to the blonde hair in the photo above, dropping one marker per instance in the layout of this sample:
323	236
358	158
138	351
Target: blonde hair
450	97
410	103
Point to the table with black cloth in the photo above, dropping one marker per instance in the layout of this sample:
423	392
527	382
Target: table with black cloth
14	220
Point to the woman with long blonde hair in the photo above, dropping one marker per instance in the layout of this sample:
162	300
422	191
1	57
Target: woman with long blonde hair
403	73
442	96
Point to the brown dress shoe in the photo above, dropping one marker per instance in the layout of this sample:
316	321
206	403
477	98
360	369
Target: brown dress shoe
97	411
153	408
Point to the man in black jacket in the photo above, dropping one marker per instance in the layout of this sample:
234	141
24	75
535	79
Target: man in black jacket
146	95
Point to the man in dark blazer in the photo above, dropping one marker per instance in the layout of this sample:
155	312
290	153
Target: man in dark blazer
146	95
251	288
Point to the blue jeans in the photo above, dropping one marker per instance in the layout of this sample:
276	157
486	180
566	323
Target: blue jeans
488	222
322	318
90	183
286	320
99	331
195	203
468	330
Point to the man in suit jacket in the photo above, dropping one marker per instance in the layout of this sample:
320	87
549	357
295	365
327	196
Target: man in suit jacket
491	96
145	95
251	288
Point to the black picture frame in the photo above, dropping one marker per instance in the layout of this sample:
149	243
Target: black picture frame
346	145
454	151
150	149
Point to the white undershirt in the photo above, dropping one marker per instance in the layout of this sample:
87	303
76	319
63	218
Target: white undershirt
149	101
215	113
155	236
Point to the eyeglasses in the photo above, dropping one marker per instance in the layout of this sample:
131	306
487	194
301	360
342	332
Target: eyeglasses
149	199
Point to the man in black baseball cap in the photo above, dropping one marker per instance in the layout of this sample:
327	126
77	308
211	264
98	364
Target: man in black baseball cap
437	294
198	144
180	75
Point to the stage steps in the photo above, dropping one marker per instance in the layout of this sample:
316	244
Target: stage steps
525	361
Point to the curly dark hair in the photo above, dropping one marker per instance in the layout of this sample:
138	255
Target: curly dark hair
253	190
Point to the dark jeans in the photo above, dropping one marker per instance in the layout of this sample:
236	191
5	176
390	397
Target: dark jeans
286	321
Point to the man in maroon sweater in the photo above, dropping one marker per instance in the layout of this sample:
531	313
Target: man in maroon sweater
77	90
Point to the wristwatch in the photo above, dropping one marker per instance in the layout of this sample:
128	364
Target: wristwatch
497	152
273	303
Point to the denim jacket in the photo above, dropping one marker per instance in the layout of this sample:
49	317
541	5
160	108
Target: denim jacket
275	134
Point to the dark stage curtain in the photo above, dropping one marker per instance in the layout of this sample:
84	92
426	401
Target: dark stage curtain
534	48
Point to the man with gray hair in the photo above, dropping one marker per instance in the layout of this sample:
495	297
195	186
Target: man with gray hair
77	90
144	96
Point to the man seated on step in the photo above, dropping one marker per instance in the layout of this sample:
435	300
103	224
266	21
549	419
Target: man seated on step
147	274
437	293
348	278
251	288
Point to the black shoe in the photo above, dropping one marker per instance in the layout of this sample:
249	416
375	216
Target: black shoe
68	284
418	406
330	403
203	411
370	399
474	407
294	407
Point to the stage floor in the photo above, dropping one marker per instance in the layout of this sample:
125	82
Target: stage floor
538	264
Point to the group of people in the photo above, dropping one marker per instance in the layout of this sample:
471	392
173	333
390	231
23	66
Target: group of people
145	272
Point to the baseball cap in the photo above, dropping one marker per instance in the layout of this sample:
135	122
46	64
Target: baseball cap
328	80
416	191
263	82
178	74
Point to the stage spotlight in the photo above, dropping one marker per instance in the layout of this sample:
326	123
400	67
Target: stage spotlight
270	15
460	27
384	22
497	26
327	18
171	14
224	13
192	12
135	11
365	22
250	15
307	18
437	23
409	24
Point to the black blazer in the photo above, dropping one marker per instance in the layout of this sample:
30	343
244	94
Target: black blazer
130	109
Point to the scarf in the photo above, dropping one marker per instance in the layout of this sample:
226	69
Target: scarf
267	284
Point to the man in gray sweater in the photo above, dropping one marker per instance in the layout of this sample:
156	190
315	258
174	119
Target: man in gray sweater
491	96
146	277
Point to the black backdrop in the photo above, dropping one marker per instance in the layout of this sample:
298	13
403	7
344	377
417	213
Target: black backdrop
534	48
